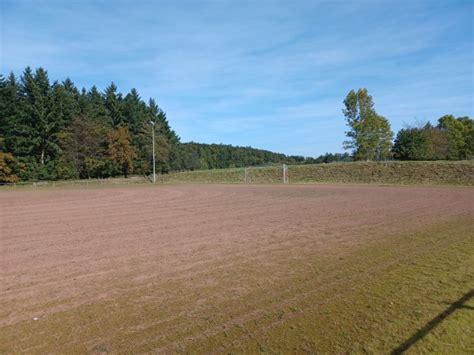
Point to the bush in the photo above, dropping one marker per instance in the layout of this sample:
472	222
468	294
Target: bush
9	168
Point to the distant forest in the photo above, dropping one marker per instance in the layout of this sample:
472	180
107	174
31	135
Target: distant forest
51	131
219	156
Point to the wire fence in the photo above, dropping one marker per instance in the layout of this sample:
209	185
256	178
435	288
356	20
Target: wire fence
133	180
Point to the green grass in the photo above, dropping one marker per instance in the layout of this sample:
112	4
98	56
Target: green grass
383	297
392	173
404	173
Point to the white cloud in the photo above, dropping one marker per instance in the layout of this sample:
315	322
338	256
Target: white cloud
248	71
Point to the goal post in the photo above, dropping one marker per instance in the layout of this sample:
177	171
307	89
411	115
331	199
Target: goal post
285	174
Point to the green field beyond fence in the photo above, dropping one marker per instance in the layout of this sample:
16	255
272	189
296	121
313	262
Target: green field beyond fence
430	173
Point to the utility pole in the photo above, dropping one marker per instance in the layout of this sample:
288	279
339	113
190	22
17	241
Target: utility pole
153	138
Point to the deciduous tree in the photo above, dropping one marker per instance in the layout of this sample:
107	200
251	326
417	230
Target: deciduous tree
460	133
369	135
9	167
120	149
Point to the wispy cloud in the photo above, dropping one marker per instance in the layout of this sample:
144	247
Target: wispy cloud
270	74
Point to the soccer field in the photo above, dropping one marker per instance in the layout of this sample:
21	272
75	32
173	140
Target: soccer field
237	268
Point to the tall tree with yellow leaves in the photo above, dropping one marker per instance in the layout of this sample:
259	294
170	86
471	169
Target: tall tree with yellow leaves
121	150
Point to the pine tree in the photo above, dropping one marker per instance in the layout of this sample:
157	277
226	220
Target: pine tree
84	140
113	105
134	112
69	100
93	106
40	123
10	110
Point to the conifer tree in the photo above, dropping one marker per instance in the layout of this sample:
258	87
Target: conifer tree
113	105
44	115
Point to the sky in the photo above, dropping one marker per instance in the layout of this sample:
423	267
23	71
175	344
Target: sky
266	74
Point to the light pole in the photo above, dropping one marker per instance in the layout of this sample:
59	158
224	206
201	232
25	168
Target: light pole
153	138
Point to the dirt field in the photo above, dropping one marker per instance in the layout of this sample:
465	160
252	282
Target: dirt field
229	268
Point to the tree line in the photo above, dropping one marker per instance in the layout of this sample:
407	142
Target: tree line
219	156
56	131
53	130
370	136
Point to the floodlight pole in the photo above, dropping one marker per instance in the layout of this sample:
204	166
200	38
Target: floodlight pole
153	143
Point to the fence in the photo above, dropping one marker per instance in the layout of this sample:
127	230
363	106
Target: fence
134	180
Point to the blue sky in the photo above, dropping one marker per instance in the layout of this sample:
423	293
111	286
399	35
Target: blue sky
269	74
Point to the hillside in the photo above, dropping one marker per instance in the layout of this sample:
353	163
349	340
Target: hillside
412	172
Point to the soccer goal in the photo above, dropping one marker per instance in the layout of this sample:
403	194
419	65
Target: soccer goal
267	174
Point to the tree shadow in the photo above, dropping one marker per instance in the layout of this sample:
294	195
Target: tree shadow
420	334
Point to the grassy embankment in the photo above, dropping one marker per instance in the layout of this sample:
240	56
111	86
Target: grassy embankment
397	173
419	173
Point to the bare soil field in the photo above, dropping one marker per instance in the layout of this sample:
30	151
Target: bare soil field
237	268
